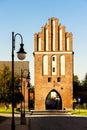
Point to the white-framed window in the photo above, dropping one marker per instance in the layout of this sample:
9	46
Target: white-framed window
54	65
53	69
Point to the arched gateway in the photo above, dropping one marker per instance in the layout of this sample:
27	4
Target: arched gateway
53	67
53	101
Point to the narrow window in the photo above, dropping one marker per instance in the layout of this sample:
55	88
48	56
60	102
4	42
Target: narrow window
53	69
58	79
53	58
54	65
49	79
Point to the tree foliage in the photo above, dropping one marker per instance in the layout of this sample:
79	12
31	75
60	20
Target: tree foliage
6	86
84	82
80	88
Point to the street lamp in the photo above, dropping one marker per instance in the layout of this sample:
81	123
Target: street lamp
21	54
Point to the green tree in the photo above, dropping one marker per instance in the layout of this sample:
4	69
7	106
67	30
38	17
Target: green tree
6	87
80	89
77	88
84	89
76	80
84	82
76	83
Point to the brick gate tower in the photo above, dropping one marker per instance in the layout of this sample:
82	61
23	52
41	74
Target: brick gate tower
53	67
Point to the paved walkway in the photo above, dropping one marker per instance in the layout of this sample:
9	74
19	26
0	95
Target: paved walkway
6	125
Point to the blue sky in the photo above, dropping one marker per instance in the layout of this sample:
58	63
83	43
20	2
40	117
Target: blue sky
28	16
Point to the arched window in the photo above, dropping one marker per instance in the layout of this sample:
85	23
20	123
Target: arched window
62	65
54	65
60	39
45	65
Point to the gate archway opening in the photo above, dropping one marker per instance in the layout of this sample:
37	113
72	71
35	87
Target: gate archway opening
53	101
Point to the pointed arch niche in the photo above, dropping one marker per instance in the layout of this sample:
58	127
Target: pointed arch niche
60	39
62	65
45	65
39	44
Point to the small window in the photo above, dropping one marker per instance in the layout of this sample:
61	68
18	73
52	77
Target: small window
58	79
53	58
53	69
49	79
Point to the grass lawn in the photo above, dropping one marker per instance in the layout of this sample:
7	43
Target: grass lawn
79	112
8	111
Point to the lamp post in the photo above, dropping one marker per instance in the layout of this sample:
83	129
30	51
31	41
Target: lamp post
23	120
21	54
28	78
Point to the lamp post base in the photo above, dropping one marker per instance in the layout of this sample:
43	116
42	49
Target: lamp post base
13	125
23	119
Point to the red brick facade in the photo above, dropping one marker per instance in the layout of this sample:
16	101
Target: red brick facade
53	64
